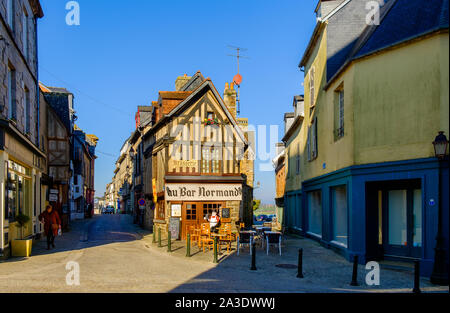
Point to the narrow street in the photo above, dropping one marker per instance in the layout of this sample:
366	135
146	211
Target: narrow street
116	256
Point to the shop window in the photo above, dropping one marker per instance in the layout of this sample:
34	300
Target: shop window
208	208
417	218
18	191
340	215
315	212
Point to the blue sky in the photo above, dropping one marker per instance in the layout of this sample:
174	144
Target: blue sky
123	53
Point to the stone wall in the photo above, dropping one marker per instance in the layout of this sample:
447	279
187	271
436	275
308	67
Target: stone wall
14	56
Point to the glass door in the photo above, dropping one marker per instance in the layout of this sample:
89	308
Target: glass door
402	220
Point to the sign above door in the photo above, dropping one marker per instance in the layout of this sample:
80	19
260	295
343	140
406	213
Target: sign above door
203	192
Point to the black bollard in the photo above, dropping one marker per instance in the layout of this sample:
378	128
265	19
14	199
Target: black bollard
300	264
215	251
188	246
154	234
169	241
253	268
416	277
355	272
159	237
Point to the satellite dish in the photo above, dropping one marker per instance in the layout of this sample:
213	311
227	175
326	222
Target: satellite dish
237	79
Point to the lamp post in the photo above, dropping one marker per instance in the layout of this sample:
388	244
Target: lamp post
440	272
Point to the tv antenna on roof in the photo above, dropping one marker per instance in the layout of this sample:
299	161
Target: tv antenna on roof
237	80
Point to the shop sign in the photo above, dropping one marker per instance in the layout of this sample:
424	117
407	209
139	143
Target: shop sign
203	192
155	195
185	163
52	197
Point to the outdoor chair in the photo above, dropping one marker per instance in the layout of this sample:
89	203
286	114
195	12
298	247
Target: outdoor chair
273	239
244	239
194	235
263	235
206	241
228	236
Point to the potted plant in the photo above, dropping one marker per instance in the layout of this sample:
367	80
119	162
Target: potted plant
22	247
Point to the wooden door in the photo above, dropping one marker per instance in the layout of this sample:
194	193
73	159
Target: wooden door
190	213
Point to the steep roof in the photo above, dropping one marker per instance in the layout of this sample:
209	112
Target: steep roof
407	19
207	84
194	82
400	21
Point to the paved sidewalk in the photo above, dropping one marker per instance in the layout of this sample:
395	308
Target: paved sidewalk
117	256
324	270
68	248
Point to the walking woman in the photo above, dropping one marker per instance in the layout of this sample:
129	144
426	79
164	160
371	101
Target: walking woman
52	223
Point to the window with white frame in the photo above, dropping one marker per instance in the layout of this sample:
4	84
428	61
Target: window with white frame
25	33
312	140
312	88
11	93
340	109
26	107
10	13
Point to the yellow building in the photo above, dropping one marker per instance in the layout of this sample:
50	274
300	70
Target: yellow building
376	96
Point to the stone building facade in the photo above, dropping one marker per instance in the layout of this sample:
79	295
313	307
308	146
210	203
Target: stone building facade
22	162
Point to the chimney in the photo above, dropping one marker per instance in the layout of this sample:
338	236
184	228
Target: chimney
324	7
181	81
229	97
279	147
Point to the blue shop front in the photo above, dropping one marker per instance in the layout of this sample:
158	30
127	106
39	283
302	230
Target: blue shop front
383	211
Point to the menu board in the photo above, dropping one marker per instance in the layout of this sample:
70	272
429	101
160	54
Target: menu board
226	213
174	227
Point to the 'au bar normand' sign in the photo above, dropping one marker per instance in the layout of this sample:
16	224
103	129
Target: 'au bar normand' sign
203	192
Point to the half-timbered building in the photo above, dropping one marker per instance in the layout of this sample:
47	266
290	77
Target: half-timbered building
200	157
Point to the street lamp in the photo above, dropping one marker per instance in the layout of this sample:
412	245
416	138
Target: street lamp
440	272
440	145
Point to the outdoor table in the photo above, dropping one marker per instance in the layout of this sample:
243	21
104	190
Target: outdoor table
218	236
267	233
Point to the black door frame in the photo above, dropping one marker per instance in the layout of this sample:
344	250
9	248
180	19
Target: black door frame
375	251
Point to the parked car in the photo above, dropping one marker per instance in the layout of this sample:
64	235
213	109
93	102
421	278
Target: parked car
108	210
261	218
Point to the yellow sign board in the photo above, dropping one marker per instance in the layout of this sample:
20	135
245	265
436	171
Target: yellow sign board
155	195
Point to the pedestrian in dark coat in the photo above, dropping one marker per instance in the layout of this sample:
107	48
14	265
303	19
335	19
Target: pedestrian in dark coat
52	223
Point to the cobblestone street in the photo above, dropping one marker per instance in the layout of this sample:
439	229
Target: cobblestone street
116	256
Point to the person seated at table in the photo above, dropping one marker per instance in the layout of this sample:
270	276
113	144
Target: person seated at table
214	221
